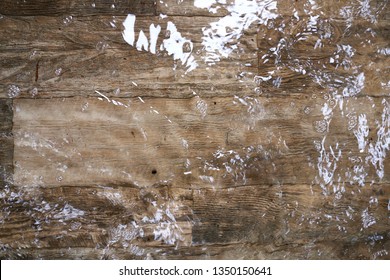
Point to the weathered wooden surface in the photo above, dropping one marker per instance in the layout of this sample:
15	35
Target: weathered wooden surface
277	151
72	8
284	8
6	141
76	58
231	141
109	222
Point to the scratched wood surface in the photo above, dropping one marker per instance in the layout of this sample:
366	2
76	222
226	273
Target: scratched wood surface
278	151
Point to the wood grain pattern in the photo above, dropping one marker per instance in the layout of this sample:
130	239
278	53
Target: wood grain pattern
284	8
68	8
263	222
89	53
279	150
232	142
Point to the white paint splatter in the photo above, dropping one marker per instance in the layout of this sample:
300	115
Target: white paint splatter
154	32
68	212
218	37
355	85
202	4
367	219
184	143
142	42
168	232
361	132
327	163
208	179
180	47
128	33
116	103
377	152
175	45
201	107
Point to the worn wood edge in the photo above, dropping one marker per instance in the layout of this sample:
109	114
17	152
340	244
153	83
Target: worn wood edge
333	251
279	246
6	141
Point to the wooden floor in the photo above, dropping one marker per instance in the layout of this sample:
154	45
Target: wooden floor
232	138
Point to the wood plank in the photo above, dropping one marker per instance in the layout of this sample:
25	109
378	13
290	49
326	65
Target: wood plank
6	141
320	250
95	217
89	49
336	9
69	8
217	141
330	54
277	151
76	59
112	222
286	217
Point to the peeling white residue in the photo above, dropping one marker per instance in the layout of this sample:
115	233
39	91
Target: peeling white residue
362	132
327	163
62	167
373	201
142	42
128	33
328	216
68	212
367	219
349	212
168	232
36	142
255	109
217	38
13	91
355	85
113	196
208	179
207	4
187	163
101	94
236	164
116	103
377	151
124	233
242	101
358	173
154	32
144	134
140	99
258	79
364	10
201	107
380	253
163	221
184	143
384	51
175	45
180	47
